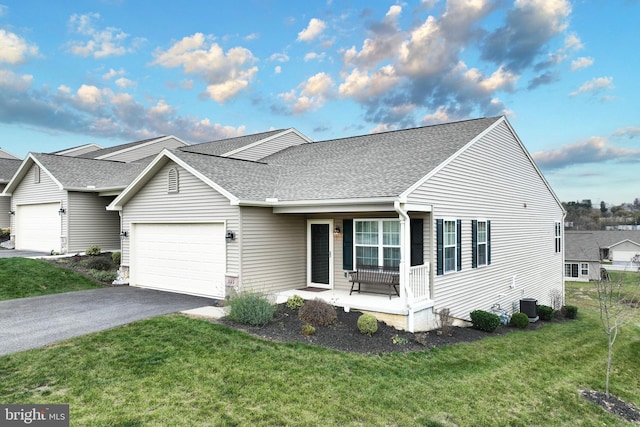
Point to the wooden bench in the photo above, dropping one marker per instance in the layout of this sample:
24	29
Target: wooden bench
374	275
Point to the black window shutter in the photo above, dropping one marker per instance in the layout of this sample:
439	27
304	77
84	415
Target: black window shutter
417	241
459	244
439	247
347	244
488	242
474	243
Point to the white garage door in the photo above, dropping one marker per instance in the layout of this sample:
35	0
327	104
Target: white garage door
624	256
38	227
184	258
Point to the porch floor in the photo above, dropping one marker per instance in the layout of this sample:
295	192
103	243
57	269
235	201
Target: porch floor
357	301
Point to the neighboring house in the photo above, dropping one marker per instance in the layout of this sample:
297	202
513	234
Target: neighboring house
9	164
460	209
78	151
251	147
58	201
585	251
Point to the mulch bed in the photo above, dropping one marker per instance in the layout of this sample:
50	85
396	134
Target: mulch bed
344	335
613	405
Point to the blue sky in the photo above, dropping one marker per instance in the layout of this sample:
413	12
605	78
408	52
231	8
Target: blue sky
565	73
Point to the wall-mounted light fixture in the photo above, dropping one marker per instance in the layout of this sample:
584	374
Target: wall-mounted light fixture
12	212
123	234
62	211
230	236
336	231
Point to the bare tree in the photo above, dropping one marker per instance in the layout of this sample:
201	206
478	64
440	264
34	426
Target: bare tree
617	306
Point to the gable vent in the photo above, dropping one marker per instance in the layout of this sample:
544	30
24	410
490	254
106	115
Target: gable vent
173	186
36	174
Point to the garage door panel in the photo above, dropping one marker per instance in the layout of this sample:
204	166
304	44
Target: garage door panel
38	227
185	258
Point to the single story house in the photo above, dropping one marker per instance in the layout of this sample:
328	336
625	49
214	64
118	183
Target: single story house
58	201
587	251
9	164
459	210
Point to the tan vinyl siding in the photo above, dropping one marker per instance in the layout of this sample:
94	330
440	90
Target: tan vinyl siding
143	151
494	180
91	224
29	192
274	250
194	202
269	147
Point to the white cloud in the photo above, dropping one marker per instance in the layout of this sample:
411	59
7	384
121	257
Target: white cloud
15	82
14	49
279	57
313	30
595	85
226	74
124	83
89	95
113	73
312	94
592	150
363	86
313	55
580	63
277	69
110	41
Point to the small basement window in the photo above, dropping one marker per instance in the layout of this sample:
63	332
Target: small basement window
173	182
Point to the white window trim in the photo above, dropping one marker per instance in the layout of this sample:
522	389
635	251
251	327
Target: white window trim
173	188
584	266
485	243
380	244
445	246
558	237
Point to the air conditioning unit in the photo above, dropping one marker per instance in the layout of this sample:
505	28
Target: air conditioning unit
529	306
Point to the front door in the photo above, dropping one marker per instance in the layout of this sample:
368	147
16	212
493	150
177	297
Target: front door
320	254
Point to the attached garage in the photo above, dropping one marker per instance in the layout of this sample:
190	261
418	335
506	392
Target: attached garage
187	258
38	227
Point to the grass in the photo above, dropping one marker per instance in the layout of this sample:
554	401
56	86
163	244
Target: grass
22	277
174	370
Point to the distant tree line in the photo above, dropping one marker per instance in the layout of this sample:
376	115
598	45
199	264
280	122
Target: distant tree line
582	215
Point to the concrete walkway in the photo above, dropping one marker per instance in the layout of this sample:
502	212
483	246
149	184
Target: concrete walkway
28	323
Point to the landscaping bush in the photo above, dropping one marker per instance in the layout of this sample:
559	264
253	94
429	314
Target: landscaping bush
570	311
101	264
116	257
317	313
307	330
484	320
295	302
545	312
368	324
519	320
251	309
93	250
103	276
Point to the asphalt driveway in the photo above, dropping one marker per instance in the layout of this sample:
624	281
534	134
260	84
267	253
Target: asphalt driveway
35	322
13	253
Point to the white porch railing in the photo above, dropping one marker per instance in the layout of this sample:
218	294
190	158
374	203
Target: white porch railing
419	282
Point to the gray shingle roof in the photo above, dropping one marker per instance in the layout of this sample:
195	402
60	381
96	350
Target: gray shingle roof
8	167
109	150
376	165
585	245
223	146
80	173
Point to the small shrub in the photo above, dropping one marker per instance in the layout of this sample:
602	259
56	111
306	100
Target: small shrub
484	320
545	312
251	309
103	276
367	324
398	340
116	257
570	311
317	313
519	320
308	329
295	302
101	264
93	250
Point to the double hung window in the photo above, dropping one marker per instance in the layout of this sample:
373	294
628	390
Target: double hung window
377	242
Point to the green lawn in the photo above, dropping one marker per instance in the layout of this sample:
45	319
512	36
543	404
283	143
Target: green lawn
178	371
22	277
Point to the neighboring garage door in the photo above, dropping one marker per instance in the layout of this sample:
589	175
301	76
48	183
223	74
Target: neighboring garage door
624	256
38	227
184	258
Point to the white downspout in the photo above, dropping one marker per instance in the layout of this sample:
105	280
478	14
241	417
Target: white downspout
405	266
